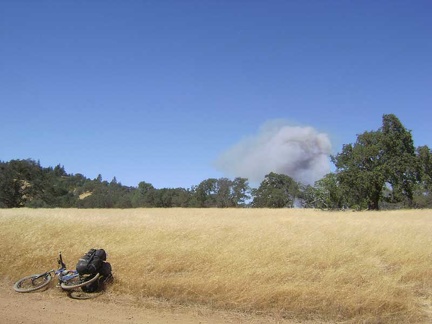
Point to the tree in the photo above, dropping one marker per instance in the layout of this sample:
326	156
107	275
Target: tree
399	159
379	160
144	196
360	171
181	197
223	193
205	193
423	191
240	191
21	182
325	194
10	188
59	171
275	191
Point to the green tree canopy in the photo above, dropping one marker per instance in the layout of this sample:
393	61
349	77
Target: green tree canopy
423	192
275	191
325	194
221	193
379	160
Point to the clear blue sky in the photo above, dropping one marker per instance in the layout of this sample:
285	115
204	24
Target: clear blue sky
158	91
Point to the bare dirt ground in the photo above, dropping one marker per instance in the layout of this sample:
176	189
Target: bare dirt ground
54	306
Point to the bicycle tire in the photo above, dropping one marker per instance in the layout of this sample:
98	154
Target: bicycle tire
33	282
78	282
81	295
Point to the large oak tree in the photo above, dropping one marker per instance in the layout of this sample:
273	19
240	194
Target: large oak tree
380	165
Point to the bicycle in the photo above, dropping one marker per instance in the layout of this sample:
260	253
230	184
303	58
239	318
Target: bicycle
68	279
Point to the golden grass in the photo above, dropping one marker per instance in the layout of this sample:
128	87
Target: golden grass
371	267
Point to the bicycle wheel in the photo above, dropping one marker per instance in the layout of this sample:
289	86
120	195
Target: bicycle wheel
78	281
33	282
79	294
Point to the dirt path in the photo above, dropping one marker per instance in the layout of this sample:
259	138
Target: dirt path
54	306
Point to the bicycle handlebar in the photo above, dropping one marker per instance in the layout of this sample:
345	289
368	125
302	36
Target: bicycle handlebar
60	261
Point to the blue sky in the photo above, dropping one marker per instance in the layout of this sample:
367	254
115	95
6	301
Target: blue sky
159	91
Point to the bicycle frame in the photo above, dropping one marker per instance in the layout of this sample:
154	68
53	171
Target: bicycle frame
68	279
62	273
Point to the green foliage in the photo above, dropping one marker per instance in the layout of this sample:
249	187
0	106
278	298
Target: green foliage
144	196
24	183
399	159
422	195
380	161
11	191
105	195
326	194
221	193
276	191
382	169
360	170
424	155
241	192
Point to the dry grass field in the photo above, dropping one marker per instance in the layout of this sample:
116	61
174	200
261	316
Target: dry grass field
347	267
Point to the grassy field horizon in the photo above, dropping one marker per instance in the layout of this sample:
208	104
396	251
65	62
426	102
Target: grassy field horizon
301	264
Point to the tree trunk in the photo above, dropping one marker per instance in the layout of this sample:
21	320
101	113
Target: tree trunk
373	203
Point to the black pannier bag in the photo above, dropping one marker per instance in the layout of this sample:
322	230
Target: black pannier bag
100	284
91	262
106	270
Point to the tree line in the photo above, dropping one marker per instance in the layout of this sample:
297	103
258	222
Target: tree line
381	170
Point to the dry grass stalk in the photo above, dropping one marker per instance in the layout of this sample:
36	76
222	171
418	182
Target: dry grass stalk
372	267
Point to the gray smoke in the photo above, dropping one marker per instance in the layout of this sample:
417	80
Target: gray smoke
299	152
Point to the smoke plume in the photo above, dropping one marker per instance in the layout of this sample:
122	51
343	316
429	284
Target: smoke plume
299	152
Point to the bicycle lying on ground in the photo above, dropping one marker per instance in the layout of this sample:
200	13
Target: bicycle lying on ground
68	279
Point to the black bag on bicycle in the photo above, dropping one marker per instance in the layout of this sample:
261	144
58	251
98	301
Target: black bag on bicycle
91	262
105	278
